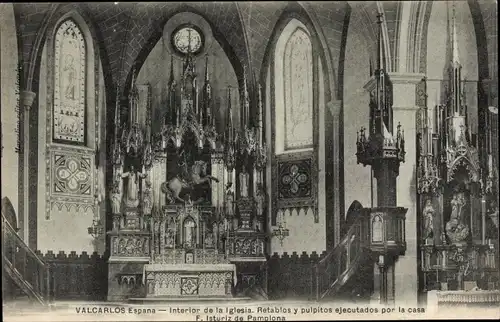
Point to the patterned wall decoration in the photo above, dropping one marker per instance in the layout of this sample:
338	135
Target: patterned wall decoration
72	179
70	81
298	85
294	136
189	285
295	179
72	174
130	246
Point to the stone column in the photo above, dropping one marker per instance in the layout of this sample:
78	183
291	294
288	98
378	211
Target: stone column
26	98
405	112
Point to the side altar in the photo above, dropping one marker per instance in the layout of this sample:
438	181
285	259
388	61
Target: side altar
188	199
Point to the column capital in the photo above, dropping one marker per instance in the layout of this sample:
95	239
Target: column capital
490	86
27	98
334	107
406	78
396	78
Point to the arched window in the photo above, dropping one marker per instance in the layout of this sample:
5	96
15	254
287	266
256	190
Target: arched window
70	57
293	79
293	71
71	136
298	90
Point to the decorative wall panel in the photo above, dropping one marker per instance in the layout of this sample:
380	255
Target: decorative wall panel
72	179
296	180
69	84
72	174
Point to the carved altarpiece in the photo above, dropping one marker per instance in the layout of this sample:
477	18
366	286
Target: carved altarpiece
456	185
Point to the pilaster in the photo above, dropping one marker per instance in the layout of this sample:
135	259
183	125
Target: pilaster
26	98
405	112
335	207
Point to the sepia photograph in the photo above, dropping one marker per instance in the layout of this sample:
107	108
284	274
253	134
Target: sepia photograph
249	160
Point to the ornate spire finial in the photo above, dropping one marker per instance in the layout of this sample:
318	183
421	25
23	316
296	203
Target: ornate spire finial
380	58
206	68
246	99
454	45
171	80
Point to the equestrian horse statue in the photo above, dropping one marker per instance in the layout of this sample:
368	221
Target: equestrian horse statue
188	180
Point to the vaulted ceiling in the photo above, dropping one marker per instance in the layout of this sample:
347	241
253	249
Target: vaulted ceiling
126	31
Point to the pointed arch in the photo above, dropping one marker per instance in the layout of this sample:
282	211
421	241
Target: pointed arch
70	130
297	87
293	81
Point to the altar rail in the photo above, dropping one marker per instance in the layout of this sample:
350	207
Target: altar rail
458	300
292	276
77	277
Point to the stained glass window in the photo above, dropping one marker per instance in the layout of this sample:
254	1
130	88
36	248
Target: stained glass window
188	39
69	84
298	90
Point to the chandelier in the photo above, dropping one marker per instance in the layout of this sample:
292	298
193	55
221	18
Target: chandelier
281	232
97	229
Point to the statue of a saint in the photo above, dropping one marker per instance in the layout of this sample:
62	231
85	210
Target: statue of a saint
456	230
244	183
147	196
377	234
209	240
229	201
260	199
132	199
189	233
428	213
169	239
116	190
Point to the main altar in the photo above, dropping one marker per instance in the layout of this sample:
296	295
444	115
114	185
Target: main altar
205	236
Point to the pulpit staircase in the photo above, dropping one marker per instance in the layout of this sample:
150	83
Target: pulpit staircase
24	272
346	272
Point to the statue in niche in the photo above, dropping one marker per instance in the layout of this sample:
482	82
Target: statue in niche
116	191
229	200
260	199
132	198
189	180
456	230
377	229
209	240
170	238
189	233
216	234
428	213
222	230
147	196
244	178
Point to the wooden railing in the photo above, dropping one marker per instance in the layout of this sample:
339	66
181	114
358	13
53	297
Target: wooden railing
24	266
339	265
